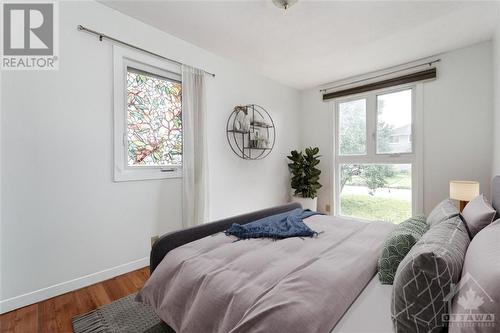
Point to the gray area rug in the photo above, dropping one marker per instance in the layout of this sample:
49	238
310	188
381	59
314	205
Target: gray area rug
123	315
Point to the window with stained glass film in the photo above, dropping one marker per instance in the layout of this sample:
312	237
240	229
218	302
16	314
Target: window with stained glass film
154	120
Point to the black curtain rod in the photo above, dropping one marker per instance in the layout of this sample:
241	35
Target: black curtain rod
423	75
103	36
429	63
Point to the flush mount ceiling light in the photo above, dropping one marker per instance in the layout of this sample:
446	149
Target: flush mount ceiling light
284	4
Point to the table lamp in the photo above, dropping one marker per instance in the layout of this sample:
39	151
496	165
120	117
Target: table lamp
463	191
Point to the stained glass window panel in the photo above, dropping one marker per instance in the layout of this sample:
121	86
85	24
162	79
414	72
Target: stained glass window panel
154	120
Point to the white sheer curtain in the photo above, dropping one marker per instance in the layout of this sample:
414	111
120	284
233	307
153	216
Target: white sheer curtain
194	159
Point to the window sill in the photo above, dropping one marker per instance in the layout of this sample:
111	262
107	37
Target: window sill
126	175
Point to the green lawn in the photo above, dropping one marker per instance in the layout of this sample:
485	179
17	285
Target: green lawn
373	208
399	180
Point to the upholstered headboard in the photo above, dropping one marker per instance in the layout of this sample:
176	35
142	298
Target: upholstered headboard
495	194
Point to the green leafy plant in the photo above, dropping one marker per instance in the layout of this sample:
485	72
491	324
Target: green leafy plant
305	175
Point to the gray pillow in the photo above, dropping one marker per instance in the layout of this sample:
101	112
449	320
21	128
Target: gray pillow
445	210
478	213
479	283
425	277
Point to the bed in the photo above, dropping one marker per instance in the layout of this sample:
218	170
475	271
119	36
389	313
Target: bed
369	312
213	283
354	302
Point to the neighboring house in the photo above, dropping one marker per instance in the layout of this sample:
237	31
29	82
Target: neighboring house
400	139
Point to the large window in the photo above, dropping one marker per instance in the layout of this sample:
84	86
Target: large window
148	117
376	159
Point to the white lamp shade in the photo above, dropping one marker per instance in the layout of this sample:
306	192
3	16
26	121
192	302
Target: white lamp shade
463	190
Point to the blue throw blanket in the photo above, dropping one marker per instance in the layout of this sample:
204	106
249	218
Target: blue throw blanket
284	225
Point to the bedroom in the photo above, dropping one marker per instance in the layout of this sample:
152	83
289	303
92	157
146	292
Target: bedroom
70	219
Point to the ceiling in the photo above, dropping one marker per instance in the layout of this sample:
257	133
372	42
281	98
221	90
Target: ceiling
315	42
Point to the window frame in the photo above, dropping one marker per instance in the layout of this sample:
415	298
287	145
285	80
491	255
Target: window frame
415	158
124	58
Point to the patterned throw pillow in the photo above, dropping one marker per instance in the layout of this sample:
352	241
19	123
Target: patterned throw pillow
444	210
398	244
426	276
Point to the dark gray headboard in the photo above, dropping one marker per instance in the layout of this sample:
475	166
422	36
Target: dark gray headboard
495	194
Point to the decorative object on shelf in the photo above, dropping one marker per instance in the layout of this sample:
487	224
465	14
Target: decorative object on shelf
237	125
284	4
250	132
305	177
463	191
242	120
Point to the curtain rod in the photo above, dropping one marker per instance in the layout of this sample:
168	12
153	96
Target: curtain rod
104	36
381	75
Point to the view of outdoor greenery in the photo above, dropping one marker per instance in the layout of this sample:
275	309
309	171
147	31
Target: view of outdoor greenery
394	122
376	191
154	120
352	127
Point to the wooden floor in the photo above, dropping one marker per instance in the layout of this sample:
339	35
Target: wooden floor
54	315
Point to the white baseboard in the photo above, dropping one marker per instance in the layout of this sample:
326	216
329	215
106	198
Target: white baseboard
67	286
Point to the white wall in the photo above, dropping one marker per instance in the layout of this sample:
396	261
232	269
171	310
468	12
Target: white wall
1	196
457	125
457	122
496	96
63	217
317	131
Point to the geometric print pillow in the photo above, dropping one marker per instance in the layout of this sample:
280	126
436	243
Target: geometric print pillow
426	276
443	211
398	244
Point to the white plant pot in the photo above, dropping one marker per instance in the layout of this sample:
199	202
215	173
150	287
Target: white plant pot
307	203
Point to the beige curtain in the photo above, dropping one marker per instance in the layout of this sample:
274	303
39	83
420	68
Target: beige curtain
194	163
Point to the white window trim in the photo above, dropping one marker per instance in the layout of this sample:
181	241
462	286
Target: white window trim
415	158
123	58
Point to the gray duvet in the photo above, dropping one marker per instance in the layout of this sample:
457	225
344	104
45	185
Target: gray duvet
260	285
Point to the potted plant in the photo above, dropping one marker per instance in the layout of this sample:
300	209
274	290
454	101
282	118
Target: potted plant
305	177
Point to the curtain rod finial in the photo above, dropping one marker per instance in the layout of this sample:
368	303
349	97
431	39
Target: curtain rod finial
79	27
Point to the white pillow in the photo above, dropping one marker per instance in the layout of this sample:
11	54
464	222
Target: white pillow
480	276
